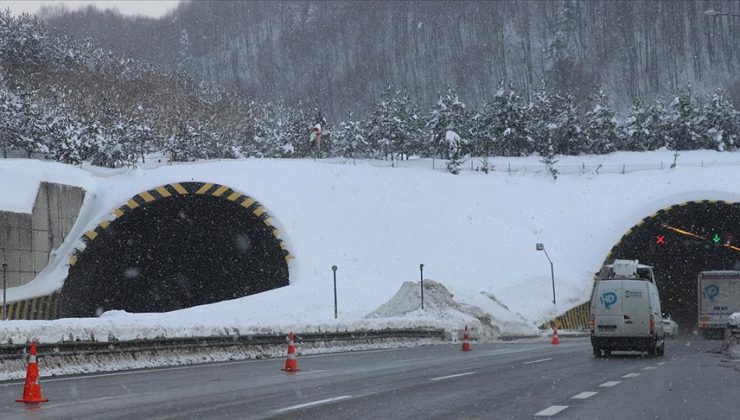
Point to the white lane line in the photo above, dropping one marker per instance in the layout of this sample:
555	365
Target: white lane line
584	395
610	384
661	363
551	410
537	361
308	372
451	376
310	404
414	360
631	375
649	368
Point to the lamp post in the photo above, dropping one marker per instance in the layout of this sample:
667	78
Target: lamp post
5	288
334	269
541	247
421	274
714	13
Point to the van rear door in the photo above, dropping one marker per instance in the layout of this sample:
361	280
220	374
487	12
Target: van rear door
606	306
636	308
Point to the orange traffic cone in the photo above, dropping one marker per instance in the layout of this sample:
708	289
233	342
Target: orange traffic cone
291	363
466	341
555	339
32	388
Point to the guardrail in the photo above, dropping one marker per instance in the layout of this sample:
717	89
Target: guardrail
81	348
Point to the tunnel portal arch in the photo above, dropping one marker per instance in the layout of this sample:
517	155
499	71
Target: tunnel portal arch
175	246
679	241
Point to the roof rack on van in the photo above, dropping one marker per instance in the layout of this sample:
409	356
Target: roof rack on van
627	269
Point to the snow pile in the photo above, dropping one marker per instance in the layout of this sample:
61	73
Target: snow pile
475	233
485	321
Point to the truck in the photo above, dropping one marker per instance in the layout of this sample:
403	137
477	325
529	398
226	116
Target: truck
719	296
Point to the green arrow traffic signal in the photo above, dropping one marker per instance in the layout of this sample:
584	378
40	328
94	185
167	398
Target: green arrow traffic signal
716	238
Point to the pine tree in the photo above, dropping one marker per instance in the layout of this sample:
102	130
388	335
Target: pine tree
567	137
455	146
501	126
684	117
600	129
350	138
721	123
449	113
542	115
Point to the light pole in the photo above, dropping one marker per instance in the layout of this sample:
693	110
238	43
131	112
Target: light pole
421	274
714	13
5	288
334	269
541	247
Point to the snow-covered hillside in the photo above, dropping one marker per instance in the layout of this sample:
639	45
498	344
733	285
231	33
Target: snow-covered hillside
475	233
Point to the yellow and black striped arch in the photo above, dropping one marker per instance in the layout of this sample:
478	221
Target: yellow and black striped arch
176	189
44	307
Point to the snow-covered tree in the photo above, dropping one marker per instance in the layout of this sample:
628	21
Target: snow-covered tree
448	114
600	128
350	139
645	127
455	146
501	126
721	123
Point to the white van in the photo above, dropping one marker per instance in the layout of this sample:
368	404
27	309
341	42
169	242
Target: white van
625	310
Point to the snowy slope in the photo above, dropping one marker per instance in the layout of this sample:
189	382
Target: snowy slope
475	233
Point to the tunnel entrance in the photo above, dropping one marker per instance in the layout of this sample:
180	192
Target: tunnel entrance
174	247
680	242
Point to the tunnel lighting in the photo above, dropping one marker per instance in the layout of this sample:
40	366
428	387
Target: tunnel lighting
716	238
683	232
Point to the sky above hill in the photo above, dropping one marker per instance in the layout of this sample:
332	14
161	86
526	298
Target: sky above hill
154	9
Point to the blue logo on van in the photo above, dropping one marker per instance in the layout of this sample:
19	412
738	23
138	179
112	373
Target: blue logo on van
609	299
711	292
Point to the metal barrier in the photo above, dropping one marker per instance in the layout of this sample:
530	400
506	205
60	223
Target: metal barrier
79	348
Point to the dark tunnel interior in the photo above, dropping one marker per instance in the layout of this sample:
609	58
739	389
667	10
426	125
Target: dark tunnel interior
173	253
680	242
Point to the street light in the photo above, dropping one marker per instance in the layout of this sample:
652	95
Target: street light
714	13
5	288
421	273
334	269
541	247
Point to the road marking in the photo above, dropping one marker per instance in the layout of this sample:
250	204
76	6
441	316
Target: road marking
584	395
649	368
451	376
306	372
610	384
661	363
414	360
310	404
537	361
551	410
631	375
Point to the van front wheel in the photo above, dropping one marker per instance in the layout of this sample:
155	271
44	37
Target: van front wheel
597	351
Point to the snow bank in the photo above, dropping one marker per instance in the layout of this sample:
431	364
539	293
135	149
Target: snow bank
475	233
485	316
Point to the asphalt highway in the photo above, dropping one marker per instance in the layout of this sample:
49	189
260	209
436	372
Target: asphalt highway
494	381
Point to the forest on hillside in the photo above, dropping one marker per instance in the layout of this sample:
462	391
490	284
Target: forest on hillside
344	53
74	101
